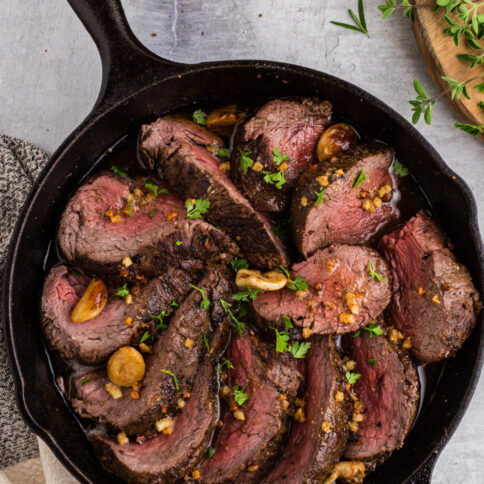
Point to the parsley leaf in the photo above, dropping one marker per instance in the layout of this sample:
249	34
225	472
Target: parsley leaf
223	152
122	291
299	350
226	363
276	178
197	209
151	185
239	325
352	377
360	179
320	196
372	362
278	157
174	304
205	302
238	264
161	324
86	379
355	335
287	322
245	295
205	342
152	212
210	452
168	372
374	330
120	171
200	117
239	396
281	341
296	284
145	336
178	243
245	160
399	169
374	274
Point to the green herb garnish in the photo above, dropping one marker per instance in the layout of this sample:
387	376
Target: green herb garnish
374	274
239	325
152	212
246	295
120	171
178	243
86	379
296	284
278	158
472	129
226	363
161	324
360	179
352	377
390	6
223	152
210	452
205	302
245	160
474	60
422	104
143	338
205	342
374	330
277	178
360	23
174	304
122	291
399	169
130	212
197	209
320	196
239	396
281	341
372	362
481	104
151	185
287	322
356	334
299	350
238	264
168	372
200	117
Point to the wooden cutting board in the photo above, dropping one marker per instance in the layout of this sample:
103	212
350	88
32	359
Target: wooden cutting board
439	54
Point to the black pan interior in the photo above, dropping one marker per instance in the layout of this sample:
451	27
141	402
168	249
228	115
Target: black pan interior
213	84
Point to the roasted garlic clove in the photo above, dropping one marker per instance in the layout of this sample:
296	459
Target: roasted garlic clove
126	366
223	119
351	472
336	140
91	303
268	281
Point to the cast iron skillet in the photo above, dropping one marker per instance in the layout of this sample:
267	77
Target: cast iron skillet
136	87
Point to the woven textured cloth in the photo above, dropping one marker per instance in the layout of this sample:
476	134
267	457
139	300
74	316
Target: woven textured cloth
20	165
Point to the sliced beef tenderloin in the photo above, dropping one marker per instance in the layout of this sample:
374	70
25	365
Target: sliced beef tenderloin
194	172
354	202
291	126
388	389
168	458
342	297
93	341
156	234
159	390
245	450
434	300
313	447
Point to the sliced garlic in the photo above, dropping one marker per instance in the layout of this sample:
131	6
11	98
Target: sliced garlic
267	281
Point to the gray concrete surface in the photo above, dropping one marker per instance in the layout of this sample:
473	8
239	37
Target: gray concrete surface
50	73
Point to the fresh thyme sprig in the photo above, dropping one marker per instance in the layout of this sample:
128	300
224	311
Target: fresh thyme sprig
360	21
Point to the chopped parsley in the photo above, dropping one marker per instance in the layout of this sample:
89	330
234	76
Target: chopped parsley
210	452
199	117
152	212
276	178
239	325
122	291
287	322
223	152
296	284
239	396
360	179
245	160
352	377
205	342
161	324
320	196
281	341
372	362
205	302
86	379
399	169
151	185
168	372
278	158
374	330
178	243
299	350
197	209
238	264
374	274
174	304
226	363
355	335
145	336
120	171
246	295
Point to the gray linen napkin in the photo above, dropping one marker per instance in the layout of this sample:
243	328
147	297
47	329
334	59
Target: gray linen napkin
20	164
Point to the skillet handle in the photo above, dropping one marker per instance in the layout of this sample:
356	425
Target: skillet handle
424	474
127	65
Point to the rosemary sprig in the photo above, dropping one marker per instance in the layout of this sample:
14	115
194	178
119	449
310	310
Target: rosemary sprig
360	21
